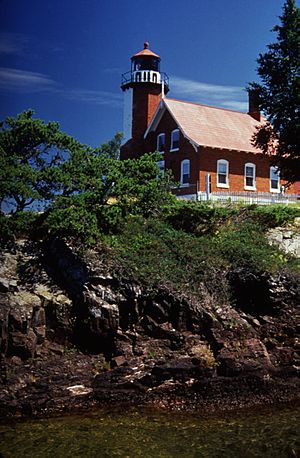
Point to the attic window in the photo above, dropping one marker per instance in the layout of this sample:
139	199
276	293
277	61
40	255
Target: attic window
175	140
274	179
222	173
250	178
161	140
185	173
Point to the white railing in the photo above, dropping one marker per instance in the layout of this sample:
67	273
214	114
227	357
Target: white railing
262	198
146	76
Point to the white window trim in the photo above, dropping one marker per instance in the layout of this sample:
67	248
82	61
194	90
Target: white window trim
185	161
223	185
174	149
161	166
250	188
157	142
277	191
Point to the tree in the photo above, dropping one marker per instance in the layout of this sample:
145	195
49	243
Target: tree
30	153
98	192
279	95
85	191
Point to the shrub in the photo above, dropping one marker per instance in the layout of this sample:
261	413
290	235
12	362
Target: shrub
76	222
269	216
246	246
197	218
155	254
20	224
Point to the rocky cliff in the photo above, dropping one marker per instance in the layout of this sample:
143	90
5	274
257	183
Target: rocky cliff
74	335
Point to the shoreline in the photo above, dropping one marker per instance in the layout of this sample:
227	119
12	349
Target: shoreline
37	391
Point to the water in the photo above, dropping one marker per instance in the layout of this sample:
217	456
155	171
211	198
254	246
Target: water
266	433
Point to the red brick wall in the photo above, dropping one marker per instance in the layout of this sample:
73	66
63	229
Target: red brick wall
173	159
237	161
146	98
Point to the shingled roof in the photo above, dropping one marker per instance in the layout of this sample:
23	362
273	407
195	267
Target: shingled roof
210	126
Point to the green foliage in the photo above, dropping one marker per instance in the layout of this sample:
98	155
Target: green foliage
198	219
21	224
139	186
30	152
279	94
246	246
72	218
153	253
99	192
269	216
86	191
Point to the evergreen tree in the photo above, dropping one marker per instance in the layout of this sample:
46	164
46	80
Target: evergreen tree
87	191
30	153
279	95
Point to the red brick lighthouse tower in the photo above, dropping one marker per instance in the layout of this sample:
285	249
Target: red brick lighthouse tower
144	86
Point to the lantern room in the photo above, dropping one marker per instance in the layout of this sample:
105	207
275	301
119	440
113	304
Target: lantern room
145	68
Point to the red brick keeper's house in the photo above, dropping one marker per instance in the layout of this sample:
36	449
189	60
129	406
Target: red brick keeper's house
208	149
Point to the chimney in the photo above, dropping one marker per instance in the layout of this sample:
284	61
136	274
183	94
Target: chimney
254	110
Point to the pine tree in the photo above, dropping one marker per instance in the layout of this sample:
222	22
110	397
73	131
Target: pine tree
279	95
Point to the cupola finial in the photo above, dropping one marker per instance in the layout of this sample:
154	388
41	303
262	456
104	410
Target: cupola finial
146	44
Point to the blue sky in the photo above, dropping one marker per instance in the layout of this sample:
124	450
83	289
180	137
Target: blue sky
64	58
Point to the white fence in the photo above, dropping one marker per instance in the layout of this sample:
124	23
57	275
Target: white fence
261	198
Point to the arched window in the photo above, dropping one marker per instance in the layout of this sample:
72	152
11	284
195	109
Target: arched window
274	179
250	176
174	140
185	172
160	146
222	173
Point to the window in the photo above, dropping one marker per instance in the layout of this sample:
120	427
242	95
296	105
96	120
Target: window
274	179
222	173
250	178
175	140
185	173
161	166
161	142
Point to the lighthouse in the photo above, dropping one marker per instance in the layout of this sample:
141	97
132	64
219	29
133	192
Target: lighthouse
144	86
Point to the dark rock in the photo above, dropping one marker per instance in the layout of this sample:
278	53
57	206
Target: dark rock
239	358
72	336
22	344
117	361
4	285
4	333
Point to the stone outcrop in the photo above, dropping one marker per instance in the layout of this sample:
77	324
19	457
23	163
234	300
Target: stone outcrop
287	238
72	336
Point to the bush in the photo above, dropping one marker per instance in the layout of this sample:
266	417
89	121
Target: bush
193	245
269	216
155	254
246	246
197	218
20	224
75	222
